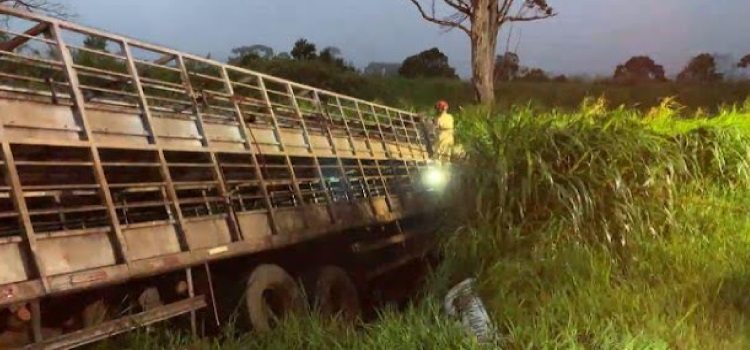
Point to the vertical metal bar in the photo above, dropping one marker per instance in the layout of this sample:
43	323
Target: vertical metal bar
19	202
61	213
422	147
408	175
380	131
394	168
417	141
188	86
364	128
334	148
80	111
191	294
36	321
248	142
280	140
153	139
311	149
346	126
395	133
368	142
354	147
218	176
211	292
406	133
388	199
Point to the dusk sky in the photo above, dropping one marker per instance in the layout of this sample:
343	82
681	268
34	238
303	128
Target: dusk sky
588	36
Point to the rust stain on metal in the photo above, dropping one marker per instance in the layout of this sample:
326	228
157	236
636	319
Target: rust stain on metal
170	261
89	277
8	292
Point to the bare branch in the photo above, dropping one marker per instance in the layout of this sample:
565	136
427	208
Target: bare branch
539	8
443	22
48	7
458	18
503	10
529	18
460	6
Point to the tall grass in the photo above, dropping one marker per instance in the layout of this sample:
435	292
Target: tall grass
608	228
595	229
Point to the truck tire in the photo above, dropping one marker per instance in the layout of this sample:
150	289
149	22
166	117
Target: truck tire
332	293
270	294
95	313
149	299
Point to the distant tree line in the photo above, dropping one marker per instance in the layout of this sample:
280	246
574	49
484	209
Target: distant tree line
702	68
641	69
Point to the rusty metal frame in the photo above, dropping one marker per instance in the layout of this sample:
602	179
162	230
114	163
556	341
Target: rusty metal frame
80	111
350	138
115	37
332	142
153	139
280	139
218	176
19	40
139	105
313	152
121	325
421	145
386	148
386	151
19	202
248	144
396	178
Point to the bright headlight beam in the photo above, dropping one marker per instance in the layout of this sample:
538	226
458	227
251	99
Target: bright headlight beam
434	177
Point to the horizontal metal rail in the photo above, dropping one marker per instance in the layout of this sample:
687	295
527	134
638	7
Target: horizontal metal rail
102	147
120	325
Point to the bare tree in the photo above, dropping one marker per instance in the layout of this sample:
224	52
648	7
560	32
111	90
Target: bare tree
49	7
485	18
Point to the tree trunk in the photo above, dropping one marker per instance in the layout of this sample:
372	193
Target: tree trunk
483	45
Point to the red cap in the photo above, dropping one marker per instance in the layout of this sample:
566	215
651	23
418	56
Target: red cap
441	104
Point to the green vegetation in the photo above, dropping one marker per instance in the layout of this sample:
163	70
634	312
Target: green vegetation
608	228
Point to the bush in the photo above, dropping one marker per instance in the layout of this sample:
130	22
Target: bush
606	229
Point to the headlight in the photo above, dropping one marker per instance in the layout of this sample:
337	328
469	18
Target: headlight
434	177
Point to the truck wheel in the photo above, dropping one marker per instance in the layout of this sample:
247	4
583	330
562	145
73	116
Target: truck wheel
149	299
270	294
333	293
95	313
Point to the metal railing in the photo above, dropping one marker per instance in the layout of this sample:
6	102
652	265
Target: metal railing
160	135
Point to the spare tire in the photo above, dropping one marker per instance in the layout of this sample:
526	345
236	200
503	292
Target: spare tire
333	293
270	294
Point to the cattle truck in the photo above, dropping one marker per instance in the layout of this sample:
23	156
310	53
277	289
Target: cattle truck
142	184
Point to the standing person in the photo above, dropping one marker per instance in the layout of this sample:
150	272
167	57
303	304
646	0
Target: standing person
444	124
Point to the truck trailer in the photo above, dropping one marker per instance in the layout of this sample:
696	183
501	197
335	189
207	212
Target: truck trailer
143	184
